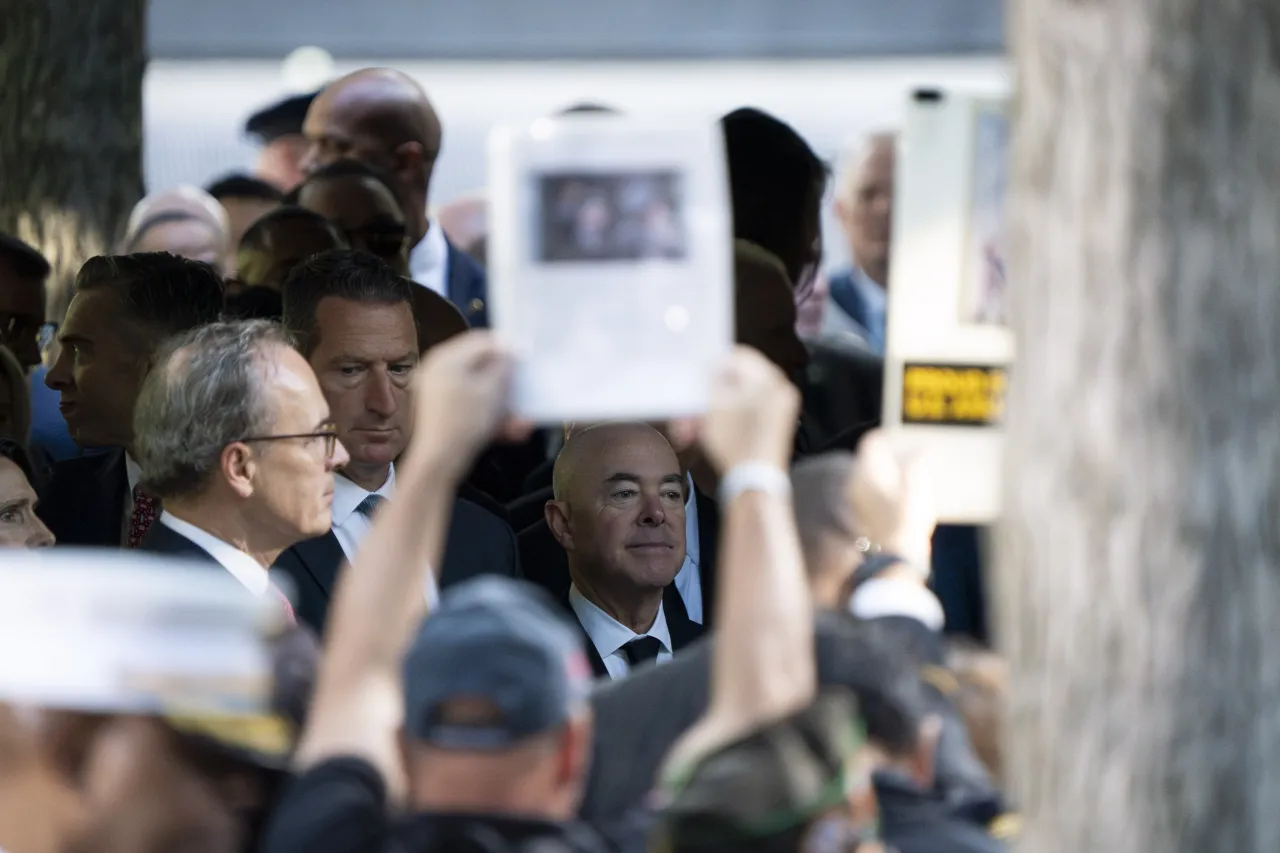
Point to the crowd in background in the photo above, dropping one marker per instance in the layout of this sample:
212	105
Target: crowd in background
745	632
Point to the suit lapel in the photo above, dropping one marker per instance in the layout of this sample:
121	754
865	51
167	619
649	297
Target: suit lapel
708	542
682	629
321	557
106	503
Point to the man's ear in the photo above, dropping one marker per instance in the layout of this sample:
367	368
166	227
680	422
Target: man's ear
922	760
238	467
556	514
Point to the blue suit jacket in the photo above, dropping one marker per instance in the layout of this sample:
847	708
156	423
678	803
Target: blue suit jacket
468	287
848	298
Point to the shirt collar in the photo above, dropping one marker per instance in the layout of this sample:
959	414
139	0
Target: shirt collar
873	295
608	634
134	472
242	567
347	495
429	260
692	547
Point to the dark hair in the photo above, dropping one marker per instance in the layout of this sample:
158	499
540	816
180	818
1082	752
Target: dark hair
776	182
16	452
26	261
348	168
240	185
868	659
344	273
255	236
161	293
254	303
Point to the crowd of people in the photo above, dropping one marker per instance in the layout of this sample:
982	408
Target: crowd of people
738	632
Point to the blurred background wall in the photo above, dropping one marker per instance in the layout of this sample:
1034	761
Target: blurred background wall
835	69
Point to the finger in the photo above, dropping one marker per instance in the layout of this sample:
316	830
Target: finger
682	433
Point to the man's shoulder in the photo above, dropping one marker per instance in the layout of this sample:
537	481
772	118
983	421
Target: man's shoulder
468	513
74	473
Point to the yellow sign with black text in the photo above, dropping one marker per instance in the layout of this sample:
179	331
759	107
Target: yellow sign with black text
953	394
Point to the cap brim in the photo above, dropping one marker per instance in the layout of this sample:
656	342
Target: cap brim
263	740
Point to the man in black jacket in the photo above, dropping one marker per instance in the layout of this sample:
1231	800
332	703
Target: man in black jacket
124	307
351	317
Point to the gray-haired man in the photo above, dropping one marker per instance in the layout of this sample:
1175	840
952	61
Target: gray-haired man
233	435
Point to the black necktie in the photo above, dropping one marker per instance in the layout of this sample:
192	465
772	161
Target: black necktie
369	504
642	650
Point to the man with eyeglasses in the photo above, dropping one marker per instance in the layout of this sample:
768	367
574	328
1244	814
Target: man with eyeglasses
23	271
233	435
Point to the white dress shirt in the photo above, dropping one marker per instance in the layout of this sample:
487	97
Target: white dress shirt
350	527
688	580
609	635
429	260
897	597
242	567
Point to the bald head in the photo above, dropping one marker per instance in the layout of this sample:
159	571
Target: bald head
382	117
618	510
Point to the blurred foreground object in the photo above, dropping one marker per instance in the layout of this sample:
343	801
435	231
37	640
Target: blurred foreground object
155	709
72	108
1138	590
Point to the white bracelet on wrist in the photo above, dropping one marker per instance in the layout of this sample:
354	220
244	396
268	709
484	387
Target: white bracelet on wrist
753	477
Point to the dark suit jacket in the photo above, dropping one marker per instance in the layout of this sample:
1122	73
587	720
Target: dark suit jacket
162	540
683	631
842	390
468	287
638	719
478	543
545	563
84	501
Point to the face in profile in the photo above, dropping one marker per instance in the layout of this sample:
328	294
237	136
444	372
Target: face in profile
365	361
19	526
622	517
99	370
365	211
293	478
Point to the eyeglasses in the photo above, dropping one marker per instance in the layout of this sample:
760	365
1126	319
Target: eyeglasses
328	432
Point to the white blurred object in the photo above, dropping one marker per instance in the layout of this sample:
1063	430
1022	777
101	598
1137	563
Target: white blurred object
113	631
946	362
307	69
610	264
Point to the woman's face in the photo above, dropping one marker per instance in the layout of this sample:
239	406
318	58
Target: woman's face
19	526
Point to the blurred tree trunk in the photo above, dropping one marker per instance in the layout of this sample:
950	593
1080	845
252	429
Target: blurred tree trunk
1139	577
70	126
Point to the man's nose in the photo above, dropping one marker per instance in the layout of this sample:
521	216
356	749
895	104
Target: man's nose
338	458
380	394
651	513
59	374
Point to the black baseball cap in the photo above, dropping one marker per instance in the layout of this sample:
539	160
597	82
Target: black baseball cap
501	642
283	118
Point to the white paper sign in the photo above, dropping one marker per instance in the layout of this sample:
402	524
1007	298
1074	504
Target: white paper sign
611	265
947	350
114	631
